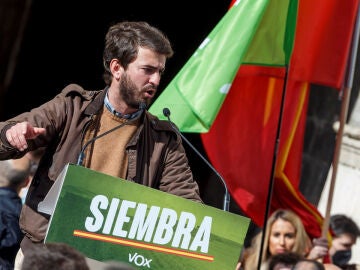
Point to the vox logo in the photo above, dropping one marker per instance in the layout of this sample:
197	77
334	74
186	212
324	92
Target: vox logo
139	260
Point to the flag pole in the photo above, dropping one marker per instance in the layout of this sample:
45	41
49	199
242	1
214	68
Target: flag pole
343	116
273	166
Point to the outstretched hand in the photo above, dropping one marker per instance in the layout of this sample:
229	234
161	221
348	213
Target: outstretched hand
18	134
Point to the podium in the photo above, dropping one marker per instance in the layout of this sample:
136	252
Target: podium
108	218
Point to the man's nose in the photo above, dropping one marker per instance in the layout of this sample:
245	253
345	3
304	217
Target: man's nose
155	78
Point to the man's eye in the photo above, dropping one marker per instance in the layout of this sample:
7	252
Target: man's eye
147	70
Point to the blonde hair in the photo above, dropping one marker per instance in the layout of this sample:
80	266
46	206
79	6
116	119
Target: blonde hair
301	246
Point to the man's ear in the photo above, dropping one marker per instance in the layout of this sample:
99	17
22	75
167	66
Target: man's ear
116	68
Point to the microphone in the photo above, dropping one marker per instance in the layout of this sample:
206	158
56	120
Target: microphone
226	203
80	160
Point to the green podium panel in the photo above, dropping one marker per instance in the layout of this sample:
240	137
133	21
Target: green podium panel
108	218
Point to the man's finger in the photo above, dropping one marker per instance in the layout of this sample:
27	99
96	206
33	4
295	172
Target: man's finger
16	140
39	131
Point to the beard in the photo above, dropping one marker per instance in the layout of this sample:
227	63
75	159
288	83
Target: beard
130	93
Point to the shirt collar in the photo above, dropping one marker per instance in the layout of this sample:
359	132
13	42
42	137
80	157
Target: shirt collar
113	111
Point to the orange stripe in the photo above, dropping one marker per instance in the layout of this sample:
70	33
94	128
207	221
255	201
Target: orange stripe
269	99
130	243
285	152
287	145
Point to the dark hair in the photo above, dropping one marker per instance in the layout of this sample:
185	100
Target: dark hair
14	172
341	224
287	258
51	256
315	265
352	266
123	40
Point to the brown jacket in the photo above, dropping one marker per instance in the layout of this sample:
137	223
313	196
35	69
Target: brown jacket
156	156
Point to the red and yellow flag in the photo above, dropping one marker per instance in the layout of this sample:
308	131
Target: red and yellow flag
232	87
251	113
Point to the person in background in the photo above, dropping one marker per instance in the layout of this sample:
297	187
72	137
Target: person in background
108	265
114	265
350	266
331	266
284	261
346	232
14	174
307	264
51	256
285	233
107	130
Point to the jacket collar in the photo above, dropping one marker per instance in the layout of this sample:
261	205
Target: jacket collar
97	104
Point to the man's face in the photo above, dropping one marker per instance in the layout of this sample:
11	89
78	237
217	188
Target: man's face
340	250
140	80
342	242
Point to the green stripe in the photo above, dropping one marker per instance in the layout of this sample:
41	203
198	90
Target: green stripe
257	32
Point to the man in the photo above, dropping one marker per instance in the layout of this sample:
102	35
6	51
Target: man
308	264
14	174
284	261
144	150
346	233
58	256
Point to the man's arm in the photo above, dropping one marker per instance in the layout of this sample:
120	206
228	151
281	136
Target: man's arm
18	134
177	177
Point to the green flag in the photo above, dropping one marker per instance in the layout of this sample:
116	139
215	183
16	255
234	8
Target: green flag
250	32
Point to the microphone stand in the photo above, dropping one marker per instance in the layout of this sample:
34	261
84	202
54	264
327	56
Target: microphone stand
226	202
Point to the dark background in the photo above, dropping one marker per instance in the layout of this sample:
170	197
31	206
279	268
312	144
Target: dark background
63	42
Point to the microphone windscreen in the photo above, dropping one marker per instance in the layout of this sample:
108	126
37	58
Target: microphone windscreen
166	112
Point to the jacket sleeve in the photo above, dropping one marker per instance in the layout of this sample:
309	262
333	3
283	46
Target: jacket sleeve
51	116
177	176
165	162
